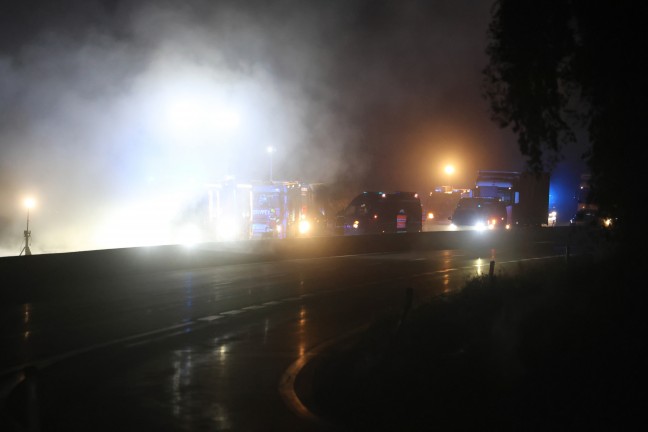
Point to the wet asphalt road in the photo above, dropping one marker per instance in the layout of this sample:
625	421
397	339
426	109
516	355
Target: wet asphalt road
213	348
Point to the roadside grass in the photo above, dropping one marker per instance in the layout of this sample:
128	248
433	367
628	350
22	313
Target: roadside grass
559	346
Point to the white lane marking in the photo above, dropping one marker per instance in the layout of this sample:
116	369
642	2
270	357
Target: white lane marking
232	312
287	381
210	318
253	307
53	359
56	358
159	338
271	303
533	259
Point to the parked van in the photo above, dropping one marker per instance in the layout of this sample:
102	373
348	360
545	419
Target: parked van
381	212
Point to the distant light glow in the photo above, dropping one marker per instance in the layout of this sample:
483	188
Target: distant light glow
184	114
449	169
196	113
228	119
189	235
147	222
29	203
228	228
304	227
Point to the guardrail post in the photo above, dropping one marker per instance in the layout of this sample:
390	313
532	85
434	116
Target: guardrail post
33	402
491	270
23	402
409	296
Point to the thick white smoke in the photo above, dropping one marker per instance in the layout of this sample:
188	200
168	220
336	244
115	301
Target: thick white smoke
114	113
114	134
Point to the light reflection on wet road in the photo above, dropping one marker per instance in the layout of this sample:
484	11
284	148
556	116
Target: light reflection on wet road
206	349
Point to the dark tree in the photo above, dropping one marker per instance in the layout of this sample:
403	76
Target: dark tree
559	67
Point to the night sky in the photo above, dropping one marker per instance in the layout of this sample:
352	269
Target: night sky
113	112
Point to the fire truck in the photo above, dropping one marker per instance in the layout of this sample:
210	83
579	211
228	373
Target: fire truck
286	209
276	209
229	210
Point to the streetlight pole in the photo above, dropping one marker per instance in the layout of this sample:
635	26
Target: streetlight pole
271	150
29	203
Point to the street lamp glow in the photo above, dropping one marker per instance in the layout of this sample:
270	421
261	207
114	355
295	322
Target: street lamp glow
29	203
449	169
197	117
229	119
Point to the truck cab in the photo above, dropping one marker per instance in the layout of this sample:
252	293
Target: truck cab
525	195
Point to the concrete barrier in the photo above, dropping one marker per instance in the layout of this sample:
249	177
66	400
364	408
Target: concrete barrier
19	274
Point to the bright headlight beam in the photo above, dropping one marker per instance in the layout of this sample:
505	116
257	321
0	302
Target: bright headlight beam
304	227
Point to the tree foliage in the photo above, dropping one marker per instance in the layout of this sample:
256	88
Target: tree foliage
557	67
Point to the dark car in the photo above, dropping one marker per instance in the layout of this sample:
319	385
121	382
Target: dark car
381	212
591	217
479	213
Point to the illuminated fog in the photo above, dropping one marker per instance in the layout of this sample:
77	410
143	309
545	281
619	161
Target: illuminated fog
114	129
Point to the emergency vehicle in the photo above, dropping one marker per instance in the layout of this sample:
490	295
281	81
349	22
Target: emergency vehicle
276	209
525	195
381	212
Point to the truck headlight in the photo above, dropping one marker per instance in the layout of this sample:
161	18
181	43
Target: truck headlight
304	226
